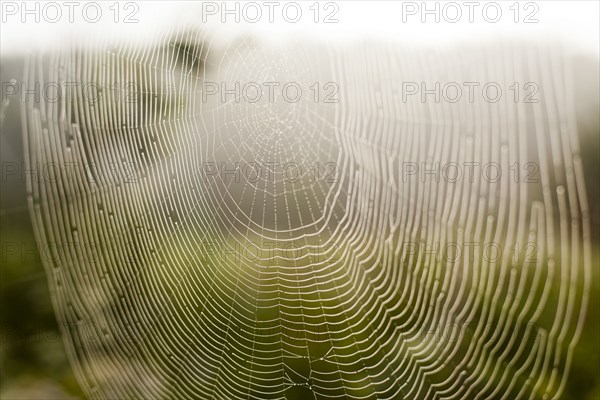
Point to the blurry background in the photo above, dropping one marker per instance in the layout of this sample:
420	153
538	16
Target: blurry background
33	361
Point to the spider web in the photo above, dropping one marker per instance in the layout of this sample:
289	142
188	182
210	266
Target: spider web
203	248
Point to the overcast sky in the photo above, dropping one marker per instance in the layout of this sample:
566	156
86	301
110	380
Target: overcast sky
573	22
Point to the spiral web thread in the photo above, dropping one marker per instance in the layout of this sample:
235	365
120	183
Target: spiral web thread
171	282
